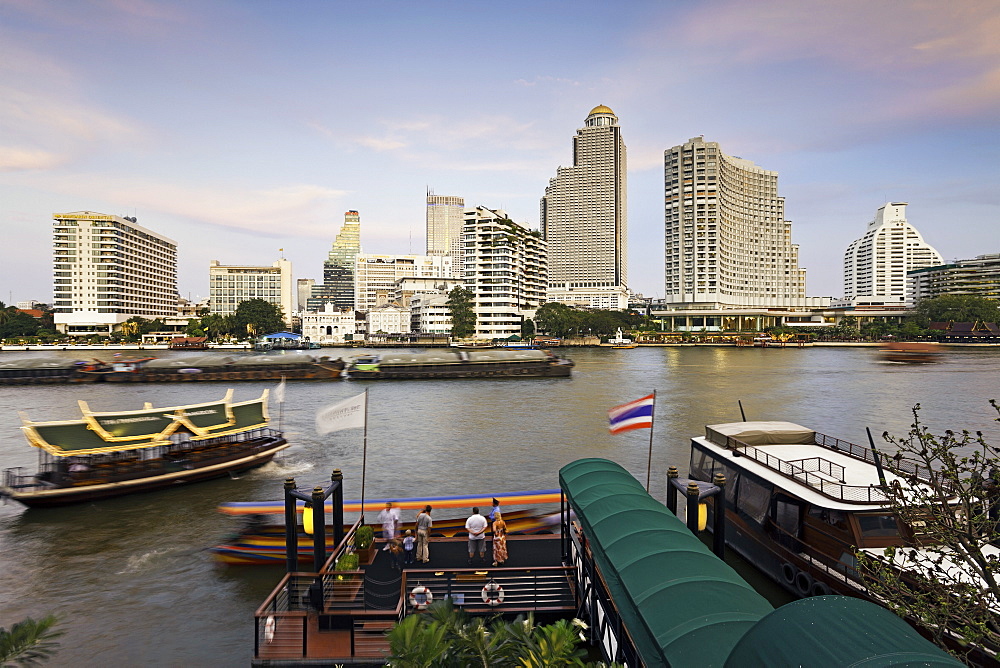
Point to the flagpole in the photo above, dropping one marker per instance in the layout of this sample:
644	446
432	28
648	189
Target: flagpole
364	459
649	462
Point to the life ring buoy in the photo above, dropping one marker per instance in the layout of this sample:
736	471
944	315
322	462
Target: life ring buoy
820	589
803	583
788	573
421	597
269	626
492	594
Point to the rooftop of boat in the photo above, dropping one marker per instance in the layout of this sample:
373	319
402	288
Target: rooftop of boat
819	469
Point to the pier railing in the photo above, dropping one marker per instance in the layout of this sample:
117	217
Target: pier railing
831	482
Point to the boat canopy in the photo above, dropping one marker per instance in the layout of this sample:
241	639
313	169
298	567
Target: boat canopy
676	598
281	335
835	631
107	432
765	433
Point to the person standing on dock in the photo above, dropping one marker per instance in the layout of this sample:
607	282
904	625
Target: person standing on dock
496	510
476	526
499	539
389	518
423	534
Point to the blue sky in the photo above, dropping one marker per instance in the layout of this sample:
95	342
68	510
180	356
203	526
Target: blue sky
241	127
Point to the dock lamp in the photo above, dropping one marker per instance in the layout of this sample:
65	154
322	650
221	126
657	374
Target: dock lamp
695	492
313	519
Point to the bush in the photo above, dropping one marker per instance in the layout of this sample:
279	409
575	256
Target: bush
347	562
364	537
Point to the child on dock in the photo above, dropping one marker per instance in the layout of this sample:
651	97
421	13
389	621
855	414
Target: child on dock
396	552
409	547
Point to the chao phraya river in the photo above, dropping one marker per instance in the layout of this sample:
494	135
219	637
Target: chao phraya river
132	584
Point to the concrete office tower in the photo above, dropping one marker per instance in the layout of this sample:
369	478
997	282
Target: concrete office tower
875	265
338	268
376	276
444	228
505	267
583	215
727	243
228	285
108	269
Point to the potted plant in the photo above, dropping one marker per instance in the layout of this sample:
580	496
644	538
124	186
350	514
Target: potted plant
364	538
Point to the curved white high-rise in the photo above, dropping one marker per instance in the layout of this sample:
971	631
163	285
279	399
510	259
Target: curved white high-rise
876	264
727	243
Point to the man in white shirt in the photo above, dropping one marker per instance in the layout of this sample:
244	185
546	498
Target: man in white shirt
389	518
476	526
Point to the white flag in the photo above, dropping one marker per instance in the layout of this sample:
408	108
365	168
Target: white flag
279	392
348	414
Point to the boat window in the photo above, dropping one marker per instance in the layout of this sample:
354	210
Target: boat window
754	499
834	518
698	465
878	526
732	480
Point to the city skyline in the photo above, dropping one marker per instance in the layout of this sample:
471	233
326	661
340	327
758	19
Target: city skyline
238	129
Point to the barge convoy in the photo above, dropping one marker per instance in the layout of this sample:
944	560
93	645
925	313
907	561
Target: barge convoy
225	368
460	364
106	454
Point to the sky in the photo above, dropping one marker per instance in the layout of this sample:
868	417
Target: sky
242	127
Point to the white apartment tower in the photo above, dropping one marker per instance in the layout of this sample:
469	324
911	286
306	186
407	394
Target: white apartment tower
505	267
228	285
727	243
583	213
107	269
875	265
444	228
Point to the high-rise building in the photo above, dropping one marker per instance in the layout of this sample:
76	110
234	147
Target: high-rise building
444	228
231	284
338	268
875	265
583	214
505	267
727	243
107	269
376	276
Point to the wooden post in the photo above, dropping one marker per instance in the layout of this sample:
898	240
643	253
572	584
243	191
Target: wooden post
692	506
338	506
319	528
291	528
672	475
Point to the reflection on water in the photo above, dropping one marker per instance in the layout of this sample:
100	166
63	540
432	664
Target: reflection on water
131	581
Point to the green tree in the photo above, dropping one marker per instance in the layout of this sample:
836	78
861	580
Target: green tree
257	317
528	329
956	308
949	579
556	319
28	642
463	314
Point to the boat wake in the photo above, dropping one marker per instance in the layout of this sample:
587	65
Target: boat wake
140	562
286	467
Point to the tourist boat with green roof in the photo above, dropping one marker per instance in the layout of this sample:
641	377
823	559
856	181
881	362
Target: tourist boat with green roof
107	454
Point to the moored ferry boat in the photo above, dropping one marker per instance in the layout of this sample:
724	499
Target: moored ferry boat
460	364
106	454
798	501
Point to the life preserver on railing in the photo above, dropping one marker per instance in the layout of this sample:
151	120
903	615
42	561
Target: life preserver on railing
269	625
421	597
492	593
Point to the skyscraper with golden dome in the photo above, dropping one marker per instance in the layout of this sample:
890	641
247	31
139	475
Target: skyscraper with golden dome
584	220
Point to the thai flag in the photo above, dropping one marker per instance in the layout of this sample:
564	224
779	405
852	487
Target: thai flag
636	414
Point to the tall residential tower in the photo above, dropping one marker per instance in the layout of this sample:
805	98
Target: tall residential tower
727	243
107	269
875	265
584	220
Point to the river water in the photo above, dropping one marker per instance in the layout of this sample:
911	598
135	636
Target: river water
131	582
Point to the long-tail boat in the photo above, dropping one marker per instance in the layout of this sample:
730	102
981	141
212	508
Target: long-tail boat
105	454
440	364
